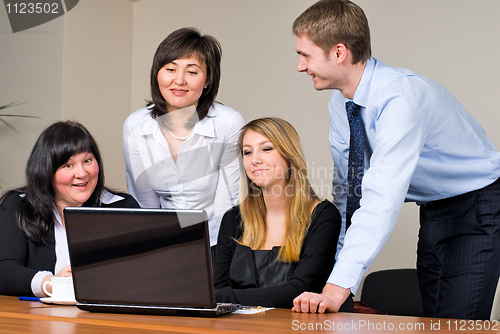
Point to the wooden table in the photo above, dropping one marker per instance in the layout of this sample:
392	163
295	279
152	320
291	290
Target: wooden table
34	317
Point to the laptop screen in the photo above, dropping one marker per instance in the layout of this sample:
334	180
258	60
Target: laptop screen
140	257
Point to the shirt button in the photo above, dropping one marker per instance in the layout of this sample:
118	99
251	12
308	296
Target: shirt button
353	279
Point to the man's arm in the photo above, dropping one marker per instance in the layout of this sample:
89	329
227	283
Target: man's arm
396	143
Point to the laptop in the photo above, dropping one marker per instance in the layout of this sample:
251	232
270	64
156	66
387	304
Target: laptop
142	261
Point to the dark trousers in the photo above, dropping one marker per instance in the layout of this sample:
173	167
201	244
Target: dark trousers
348	305
458	262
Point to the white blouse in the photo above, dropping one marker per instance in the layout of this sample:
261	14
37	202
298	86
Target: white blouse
62	252
206	175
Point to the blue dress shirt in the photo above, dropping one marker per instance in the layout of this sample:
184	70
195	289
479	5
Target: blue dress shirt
421	145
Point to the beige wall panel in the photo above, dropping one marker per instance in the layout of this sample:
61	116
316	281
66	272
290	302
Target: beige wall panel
30	73
98	76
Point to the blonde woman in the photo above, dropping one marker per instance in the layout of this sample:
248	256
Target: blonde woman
281	240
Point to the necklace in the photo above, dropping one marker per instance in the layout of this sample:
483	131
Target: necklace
180	138
177	137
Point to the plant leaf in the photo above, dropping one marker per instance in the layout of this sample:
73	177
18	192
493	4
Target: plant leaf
9	125
28	116
13	104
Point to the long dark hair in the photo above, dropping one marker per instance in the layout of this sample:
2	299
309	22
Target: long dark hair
186	43
54	147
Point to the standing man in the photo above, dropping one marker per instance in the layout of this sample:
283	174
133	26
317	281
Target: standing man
397	136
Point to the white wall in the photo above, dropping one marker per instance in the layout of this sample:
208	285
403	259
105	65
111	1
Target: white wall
108	48
30	73
97	79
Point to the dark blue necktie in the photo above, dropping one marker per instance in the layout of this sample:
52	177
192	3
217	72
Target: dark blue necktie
355	166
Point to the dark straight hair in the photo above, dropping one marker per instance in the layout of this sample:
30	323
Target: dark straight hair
55	146
187	43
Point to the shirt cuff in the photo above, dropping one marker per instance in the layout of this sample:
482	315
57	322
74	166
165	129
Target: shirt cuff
36	283
347	275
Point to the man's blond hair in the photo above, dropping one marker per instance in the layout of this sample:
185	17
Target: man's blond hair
329	22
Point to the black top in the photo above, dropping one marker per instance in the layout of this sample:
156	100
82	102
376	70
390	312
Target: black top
21	258
237	279
268	271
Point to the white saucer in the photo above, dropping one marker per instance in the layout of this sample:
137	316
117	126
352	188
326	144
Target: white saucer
49	300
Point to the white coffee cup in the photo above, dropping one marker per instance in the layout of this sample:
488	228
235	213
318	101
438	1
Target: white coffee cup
62	288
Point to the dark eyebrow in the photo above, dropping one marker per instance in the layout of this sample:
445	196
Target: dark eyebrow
188	65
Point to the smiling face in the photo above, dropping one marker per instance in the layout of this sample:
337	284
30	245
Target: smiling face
75	181
181	82
263	163
313	60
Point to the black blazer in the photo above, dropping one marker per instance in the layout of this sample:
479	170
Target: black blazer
21	258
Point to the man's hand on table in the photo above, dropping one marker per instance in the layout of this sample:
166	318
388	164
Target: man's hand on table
330	300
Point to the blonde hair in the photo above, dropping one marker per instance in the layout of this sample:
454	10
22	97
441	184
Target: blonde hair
300	197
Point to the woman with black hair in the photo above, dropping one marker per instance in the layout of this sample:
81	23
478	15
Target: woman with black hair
63	169
180	150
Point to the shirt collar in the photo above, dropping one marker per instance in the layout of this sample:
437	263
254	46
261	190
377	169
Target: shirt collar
205	127
108	198
362	92
58	217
